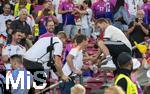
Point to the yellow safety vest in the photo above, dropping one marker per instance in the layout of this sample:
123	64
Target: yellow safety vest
17	11
131	87
36	30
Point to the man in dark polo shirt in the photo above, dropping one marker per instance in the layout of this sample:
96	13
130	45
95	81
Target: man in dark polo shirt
138	31
21	23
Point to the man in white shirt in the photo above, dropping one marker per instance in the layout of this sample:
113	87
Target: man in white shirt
74	62
3	17
133	6
13	48
37	57
114	39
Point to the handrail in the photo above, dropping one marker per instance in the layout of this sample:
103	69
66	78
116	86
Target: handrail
50	87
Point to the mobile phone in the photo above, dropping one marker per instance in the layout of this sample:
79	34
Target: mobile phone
137	20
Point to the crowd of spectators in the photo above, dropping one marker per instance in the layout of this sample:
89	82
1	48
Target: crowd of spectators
57	38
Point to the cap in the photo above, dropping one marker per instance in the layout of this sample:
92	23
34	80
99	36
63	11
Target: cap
124	58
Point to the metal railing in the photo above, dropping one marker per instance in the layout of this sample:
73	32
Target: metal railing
54	86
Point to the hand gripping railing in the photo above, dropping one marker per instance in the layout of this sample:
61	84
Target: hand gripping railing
54	86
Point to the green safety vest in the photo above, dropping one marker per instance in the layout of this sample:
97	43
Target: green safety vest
17	11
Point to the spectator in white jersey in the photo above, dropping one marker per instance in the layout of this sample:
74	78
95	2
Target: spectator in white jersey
3	17
13	48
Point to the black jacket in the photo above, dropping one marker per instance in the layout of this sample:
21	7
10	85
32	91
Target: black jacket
123	82
17	24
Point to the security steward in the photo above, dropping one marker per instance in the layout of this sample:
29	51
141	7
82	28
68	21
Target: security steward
122	78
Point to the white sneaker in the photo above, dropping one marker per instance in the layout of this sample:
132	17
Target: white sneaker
109	65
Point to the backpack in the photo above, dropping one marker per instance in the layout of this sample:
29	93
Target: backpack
51	62
50	49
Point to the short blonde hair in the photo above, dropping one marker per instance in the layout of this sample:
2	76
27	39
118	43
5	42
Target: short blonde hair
101	20
114	90
62	34
78	89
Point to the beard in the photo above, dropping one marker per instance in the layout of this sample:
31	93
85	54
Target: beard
50	30
22	41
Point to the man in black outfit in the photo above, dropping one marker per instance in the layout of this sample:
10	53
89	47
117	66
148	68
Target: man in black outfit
21	23
138	31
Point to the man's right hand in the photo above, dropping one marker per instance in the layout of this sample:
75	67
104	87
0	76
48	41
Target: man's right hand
65	78
78	72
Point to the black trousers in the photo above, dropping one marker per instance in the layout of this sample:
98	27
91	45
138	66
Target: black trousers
115	50
36	69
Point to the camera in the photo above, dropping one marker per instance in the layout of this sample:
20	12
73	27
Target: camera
51	64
